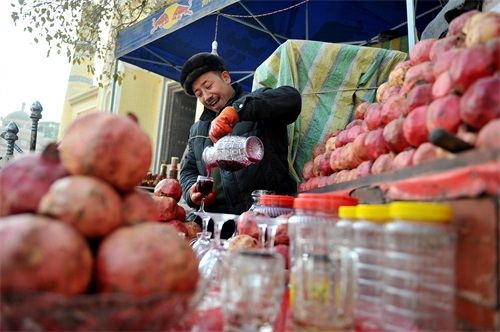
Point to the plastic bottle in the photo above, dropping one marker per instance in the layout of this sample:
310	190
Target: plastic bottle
321	276
419	273
368	244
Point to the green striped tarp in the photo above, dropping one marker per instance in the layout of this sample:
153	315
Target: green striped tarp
333	79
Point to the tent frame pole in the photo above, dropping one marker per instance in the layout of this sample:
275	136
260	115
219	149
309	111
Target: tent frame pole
410	17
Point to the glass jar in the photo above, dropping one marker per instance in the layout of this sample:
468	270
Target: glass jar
321	274
255	197
419	272
275	205
232	153
368	244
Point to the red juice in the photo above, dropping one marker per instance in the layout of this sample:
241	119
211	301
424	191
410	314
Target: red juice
205	186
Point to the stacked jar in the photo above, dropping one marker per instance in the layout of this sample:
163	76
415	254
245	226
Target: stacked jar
368	244
343	229
275	205
419	274
321	288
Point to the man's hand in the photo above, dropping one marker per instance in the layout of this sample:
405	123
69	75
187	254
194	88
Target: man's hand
196	196
223	124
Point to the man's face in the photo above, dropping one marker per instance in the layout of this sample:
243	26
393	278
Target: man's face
213	89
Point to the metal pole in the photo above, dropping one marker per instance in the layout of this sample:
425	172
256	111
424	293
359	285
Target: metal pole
410	17
113	87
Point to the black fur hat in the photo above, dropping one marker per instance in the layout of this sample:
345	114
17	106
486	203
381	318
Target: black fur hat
198	65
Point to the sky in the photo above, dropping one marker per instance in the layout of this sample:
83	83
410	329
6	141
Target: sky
26	73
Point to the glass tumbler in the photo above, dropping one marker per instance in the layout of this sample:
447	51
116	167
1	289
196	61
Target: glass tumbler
252	290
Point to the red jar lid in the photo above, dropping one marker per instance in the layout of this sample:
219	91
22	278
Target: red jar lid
280	200
325	201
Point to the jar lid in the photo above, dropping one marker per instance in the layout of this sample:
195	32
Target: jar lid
281	200
348	212
421	211
374	212
325	201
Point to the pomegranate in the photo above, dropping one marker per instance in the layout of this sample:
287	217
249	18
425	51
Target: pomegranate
24	180
394	136
179	226
392	109
138	205
419	96
87	203
108	146
364	169
281	236
383	163
143	259
335	160
427	152
167	207
397	75
375	144
42	254
442	45
480	103
421	51
169	188
361	109
324	163
284	250
307	170
318	149
415	126
457	24
358	147
193	229
444	113
403	159
489	135
373	116
342	138
243	241
380	91
181	213
419	74
247	225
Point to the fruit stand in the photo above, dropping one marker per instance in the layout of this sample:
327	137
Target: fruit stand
470	183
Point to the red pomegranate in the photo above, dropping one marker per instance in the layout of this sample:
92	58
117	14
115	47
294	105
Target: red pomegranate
23	181
42	254
138	205
108	146
167	207
87	203
145	258
169	188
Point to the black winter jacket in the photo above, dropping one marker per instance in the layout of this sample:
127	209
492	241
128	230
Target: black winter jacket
264	113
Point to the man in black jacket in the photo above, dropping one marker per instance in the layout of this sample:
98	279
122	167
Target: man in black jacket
228	109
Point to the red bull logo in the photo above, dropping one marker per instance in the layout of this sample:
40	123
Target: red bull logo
171	15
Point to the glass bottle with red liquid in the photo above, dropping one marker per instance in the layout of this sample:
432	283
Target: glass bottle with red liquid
232	153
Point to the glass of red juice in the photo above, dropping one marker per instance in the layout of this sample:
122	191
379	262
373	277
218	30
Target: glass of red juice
204	184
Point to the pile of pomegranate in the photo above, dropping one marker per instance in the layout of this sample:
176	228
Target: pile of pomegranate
73	221
451	83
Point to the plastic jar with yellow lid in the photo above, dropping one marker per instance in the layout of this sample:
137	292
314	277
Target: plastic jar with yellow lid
419	273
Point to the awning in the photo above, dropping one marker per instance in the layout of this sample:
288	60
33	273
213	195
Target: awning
249	31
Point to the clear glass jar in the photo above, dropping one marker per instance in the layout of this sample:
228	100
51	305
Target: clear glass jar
419	272
256	195
275	205
368	244
321	274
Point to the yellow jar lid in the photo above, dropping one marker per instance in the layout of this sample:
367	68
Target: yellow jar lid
421	211
348	212
373	212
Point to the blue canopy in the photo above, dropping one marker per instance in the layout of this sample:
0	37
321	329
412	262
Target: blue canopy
249	31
